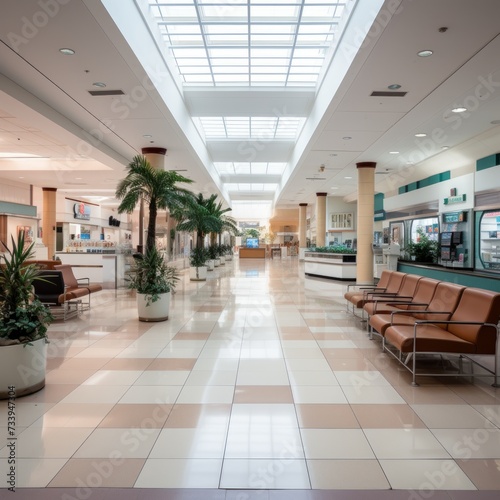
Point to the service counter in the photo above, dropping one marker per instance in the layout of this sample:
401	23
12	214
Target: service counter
252	253
106	269
330	265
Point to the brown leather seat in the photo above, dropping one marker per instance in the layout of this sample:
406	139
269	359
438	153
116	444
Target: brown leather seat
395	282
382	283
443	298
74	289
405	293
464	332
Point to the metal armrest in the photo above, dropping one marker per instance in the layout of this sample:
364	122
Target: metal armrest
87	280
411	313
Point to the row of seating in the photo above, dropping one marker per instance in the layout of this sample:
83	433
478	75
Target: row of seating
59	288
417	315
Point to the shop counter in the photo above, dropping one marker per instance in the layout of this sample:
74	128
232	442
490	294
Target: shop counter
330	265
252	253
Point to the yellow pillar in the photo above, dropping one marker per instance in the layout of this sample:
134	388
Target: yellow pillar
366	192
320	219
49	220
302	225
156	157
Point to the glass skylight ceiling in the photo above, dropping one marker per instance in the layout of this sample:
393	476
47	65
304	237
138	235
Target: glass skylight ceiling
243	168
247	127
250	187
249	42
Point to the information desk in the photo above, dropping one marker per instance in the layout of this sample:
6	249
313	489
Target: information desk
330	265
252	253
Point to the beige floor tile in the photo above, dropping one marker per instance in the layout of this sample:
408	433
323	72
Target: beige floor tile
182	335
71	377
389	416
31	472
50	393
127	364
74	415
350	364
136	416
262	394
347	475
101	473
326	416
172	364
485	474
429	395
198	415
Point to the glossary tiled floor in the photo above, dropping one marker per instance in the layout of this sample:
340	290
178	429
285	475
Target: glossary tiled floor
260	385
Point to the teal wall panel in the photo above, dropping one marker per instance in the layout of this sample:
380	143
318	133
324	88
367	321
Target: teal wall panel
7	207
488	162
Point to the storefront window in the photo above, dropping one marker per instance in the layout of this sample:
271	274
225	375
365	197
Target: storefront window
489	240
429	226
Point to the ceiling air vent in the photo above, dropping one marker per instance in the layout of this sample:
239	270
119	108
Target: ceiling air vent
387	93
96	93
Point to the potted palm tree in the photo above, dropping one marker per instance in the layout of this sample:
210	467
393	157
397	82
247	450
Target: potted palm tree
153	281
196	216
198	260
24	321
151	277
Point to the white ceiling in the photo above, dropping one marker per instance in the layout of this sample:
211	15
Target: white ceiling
85	142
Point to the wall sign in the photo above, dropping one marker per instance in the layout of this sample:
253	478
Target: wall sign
81	211
454	198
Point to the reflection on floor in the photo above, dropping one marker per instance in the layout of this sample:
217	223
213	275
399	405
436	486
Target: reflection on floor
258	381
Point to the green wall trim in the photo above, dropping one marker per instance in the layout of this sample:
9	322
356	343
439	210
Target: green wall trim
428	181
460	278
6	207
488	162
378	202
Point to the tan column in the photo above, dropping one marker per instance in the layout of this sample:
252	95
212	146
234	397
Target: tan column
366	192
302	225
156	157
49	220
320	219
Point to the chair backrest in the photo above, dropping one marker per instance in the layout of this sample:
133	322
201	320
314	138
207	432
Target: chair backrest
384	278
482	306
69	277
425	291
445	299
49	287
395	282
409	285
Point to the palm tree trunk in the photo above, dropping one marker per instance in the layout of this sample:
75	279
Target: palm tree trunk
199	239
151	237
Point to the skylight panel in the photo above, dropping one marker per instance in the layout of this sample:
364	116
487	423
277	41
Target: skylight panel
241	168
273	33
258	168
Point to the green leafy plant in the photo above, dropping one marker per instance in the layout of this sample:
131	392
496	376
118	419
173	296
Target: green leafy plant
199	257
156	187
152	276
23	318
424	250
213	252
332	249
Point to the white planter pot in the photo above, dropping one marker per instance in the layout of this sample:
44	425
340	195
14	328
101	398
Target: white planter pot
22	366
156	311
222	260
198	273
210	265
216	262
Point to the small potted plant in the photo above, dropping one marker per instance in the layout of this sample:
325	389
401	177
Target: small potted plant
424	250
24	321
197	261
153	281
213	252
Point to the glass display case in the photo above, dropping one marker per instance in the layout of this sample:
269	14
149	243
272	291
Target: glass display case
488	244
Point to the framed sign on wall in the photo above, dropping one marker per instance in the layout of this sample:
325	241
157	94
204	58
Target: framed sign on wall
341	221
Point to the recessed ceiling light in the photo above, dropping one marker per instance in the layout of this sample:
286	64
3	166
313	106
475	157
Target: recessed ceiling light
347	138
347	177
335	154
78	178
445	147
393	152
66	51
495	122
101	85
421	134
394	86
147	136
21	177
334	187
425	53
460	109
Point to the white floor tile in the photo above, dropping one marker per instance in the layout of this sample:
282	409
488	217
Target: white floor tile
220	377
96	394
31	472
180	473
470	443
360	378
144	394
405	444
281	473
113	377
315	378
336	444
425	475
363	394
451	417
307	364
163	377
